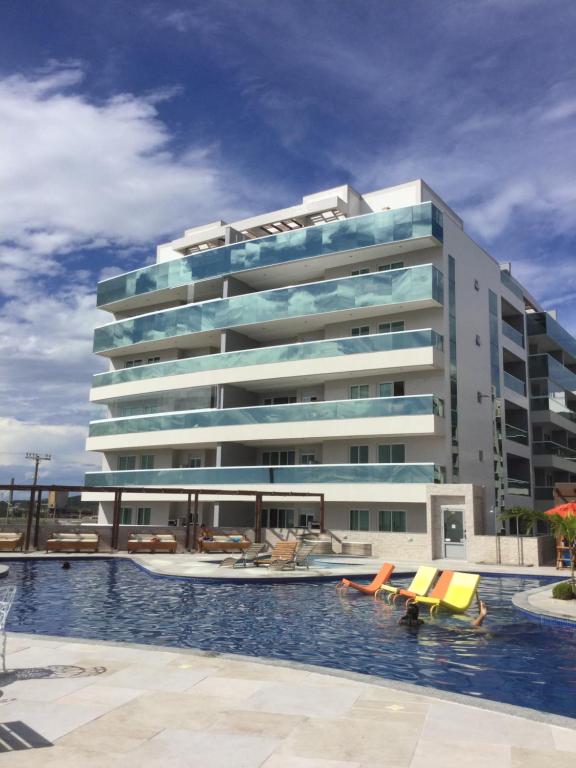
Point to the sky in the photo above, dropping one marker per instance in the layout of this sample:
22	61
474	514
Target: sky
123	123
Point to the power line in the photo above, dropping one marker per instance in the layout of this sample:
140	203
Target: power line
37	458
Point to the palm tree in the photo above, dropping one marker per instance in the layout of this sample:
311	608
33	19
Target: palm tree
565	528
561	527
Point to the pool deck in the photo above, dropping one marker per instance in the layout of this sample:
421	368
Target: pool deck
119	705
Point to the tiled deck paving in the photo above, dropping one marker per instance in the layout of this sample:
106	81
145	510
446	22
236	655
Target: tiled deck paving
136	706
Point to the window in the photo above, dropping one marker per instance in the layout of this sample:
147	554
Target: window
363	271
392	520
146	462
392	454
126	463
194	462
278	518
358	454
395	327
359	520
280	400
358	391
126	516
362	330
476	285
153	360
391	389
132	363
308	458
144	515
394	265
278	458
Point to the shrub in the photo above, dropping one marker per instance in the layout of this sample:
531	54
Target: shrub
563	591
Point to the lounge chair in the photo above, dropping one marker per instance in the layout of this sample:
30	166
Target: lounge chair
420	584
246	558
11	541
301	557
151	542
369	589
437	594
461	590
282	554
73	542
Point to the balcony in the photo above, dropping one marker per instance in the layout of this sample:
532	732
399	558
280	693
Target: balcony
286	353
550	448
281	475
330	410
419	221
518	487
512	333
516	434
421	285
541	324
514	384
550	409
547	367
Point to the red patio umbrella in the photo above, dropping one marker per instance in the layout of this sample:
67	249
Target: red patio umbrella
564	510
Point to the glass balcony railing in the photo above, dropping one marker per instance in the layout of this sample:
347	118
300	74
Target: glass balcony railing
512	333
516	434
550	448
553	405
512	284
308	473
416	221
309	350
518	487
547	367
540	323
368	408
377	289
516	385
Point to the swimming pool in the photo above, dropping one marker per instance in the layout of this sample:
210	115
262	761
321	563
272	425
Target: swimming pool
511	659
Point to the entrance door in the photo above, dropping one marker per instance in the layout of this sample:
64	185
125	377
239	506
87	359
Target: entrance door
454	534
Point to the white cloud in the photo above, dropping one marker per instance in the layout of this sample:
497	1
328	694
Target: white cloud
78	175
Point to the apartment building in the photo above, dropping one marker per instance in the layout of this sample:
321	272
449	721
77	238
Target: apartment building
358	345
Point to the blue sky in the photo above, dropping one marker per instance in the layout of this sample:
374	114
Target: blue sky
122	124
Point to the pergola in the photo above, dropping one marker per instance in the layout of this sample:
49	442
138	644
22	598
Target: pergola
564	492
193	496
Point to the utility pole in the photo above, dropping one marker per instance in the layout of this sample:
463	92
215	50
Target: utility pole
37	458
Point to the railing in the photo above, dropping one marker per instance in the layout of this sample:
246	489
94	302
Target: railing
296	473
380	342
545	366
554	406
550	448
518	487
512	333
368	408
517	434
544	492
540	323
376	289
424	220
517	385
512	284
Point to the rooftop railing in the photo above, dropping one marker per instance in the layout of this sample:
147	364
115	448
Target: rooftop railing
424	220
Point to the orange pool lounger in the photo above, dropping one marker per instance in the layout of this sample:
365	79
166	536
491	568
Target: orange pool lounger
369	589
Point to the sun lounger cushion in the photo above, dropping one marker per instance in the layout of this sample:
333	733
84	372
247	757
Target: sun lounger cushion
10	536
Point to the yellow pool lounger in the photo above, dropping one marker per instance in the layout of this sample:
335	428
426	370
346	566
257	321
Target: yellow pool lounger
420	584
458	596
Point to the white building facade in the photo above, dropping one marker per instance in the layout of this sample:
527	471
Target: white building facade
360	346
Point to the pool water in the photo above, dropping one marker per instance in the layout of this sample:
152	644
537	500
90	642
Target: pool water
510	659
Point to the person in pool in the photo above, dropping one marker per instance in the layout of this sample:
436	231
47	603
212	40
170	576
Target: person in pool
412	616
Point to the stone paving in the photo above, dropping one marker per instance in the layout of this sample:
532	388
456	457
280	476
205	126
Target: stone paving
115	705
